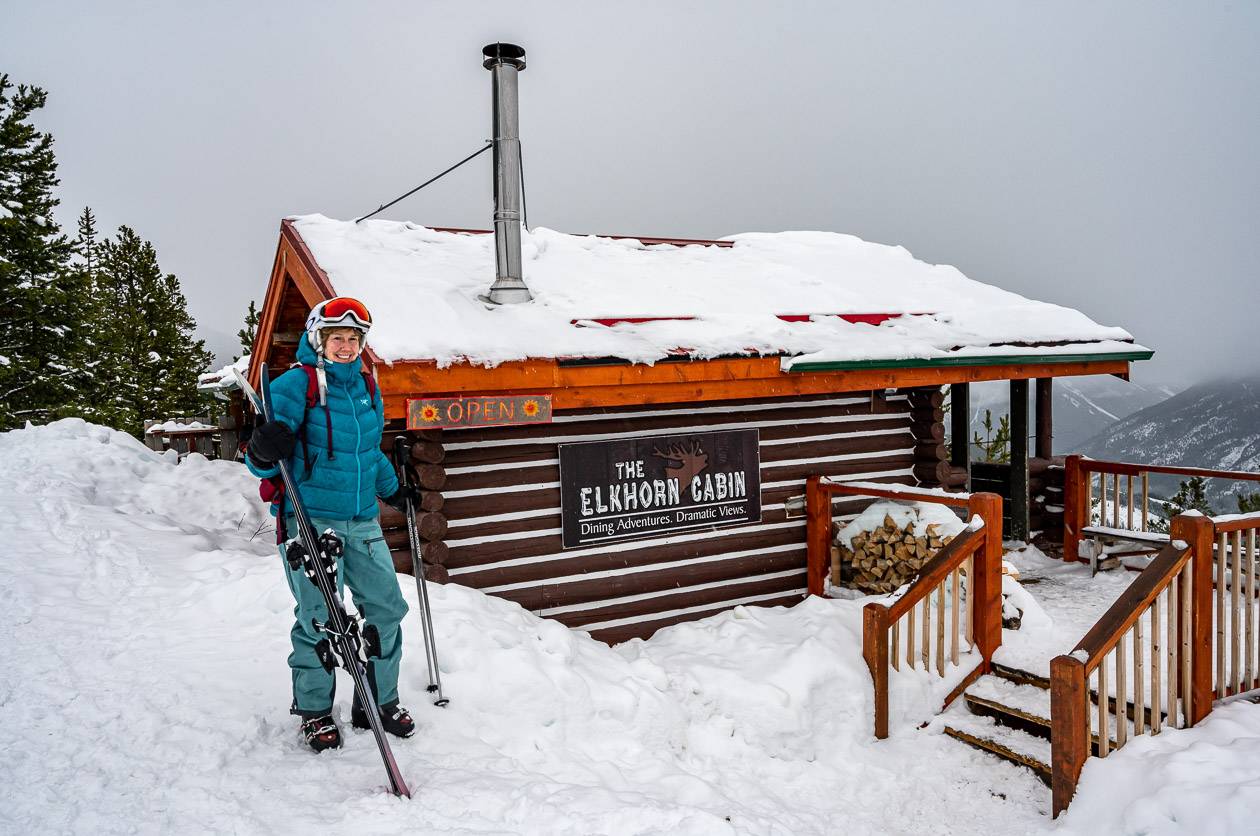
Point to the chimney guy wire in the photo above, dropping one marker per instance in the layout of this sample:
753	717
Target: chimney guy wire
434	179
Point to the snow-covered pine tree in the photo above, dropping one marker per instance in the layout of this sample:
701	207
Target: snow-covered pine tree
43	300
150	360
246	335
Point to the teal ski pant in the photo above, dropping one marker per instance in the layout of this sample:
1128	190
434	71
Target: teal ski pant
368	569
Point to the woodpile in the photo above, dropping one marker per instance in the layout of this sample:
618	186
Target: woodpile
885	558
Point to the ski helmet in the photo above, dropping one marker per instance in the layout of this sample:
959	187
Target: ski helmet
337	312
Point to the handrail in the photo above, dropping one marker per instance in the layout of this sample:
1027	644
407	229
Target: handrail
1174	658
1122	508
945	567
1131	469
950	557
1132	603
894	491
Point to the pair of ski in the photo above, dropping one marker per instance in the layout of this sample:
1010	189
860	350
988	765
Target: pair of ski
318	555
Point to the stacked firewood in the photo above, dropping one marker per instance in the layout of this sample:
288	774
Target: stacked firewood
886	557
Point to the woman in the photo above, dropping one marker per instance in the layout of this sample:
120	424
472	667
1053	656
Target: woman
328	421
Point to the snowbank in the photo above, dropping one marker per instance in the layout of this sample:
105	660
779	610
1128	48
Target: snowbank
145	632
422	286
1200	780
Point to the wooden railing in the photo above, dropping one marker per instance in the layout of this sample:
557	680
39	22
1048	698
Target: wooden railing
1145	665
1234	611
939	596
1122	491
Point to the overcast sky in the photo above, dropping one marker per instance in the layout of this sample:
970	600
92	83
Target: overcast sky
1101	155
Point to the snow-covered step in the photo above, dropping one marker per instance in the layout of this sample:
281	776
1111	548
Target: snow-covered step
1023	707
1013	745
1021	676
1027	708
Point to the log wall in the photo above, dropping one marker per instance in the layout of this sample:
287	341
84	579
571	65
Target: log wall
497	494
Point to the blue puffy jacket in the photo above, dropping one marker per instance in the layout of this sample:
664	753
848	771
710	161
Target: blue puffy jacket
345	484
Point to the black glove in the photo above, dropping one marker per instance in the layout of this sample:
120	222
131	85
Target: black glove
398	499
270	443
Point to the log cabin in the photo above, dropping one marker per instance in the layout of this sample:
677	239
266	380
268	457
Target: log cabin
617	433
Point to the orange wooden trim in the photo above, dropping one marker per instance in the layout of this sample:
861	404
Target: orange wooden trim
987	567
817	535
575	387
269	314
1200	534
875	623
1075	514
1069	729
421	377
856	490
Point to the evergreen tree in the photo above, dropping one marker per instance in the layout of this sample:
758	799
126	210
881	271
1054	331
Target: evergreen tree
246	335
1191	495
43	301
150	361
996	444
1248	503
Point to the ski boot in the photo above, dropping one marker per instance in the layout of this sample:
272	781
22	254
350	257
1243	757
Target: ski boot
394	719
321	733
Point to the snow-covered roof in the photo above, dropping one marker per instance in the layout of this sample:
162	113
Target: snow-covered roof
223	379
768	293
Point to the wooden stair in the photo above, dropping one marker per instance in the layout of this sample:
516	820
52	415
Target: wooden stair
1007	714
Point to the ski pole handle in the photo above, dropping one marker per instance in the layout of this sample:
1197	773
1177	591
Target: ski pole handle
400	458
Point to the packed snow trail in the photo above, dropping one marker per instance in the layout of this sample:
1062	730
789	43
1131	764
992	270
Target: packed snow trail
145	632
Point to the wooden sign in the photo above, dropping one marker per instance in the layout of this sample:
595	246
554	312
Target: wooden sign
477	411
631	488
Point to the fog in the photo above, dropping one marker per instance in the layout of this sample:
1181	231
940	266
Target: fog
1100	156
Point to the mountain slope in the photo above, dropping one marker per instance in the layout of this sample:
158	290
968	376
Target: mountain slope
1083	406
1212	425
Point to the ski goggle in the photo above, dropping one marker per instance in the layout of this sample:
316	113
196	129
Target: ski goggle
341	310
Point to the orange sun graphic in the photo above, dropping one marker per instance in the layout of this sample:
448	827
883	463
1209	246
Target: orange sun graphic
428	413
530	408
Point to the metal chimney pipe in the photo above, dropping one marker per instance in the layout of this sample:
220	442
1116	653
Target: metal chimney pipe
505	61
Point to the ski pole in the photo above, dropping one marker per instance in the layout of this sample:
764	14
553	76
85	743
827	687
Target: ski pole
401	456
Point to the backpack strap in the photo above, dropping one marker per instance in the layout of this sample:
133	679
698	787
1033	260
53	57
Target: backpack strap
312	398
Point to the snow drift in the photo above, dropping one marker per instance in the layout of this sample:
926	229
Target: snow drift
145	632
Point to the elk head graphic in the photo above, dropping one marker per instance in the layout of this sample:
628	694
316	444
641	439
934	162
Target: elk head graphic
683	461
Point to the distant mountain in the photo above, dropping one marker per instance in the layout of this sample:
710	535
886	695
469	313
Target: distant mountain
1083	406
1211	425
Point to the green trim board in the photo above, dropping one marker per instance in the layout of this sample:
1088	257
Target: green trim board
970	360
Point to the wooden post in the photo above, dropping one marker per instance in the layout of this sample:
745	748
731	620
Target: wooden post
1075	506
1199	532
987	569
960	428
817	534
1044	418
1069	728
229	437
875	651
1019	460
